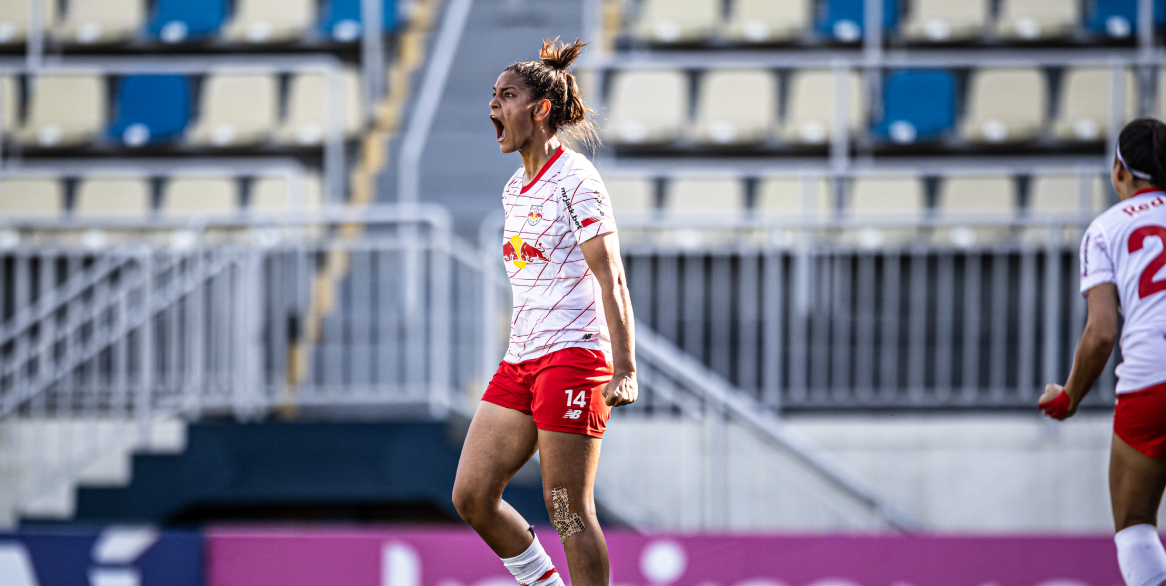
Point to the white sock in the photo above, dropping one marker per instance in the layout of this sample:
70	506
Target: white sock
1141	556
534	567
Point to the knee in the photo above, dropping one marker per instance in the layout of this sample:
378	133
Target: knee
471	505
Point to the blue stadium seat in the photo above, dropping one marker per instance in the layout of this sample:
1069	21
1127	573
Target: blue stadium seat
341	20
177	21
1118	18
917	106
151	109
844	18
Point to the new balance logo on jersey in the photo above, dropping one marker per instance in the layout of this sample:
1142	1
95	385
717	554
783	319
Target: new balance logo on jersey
573	414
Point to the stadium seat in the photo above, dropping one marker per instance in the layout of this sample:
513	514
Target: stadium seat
631	195
1118	18
151	109
1085	104
342	22
31	198
1005	105
1032	20
786	198
306	115
941	21
237	109
14	20
766	21
714	197
736	106
810	106
113	197
1061	194
647	106
200	196
895	198
64	110
95	22
179	21
845	18
677	21
270	21
918	106
9	104
273	194
976	198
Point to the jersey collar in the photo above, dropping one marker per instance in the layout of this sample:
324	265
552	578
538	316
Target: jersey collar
1146	190
547	165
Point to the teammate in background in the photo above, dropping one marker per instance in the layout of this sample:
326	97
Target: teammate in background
571	356
1123	256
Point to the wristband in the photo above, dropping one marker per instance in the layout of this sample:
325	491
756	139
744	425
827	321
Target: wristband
1058	407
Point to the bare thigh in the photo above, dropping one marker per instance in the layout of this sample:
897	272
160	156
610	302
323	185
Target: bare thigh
500	441
1136	482
569	463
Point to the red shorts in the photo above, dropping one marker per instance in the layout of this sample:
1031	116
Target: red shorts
562	390
1140	420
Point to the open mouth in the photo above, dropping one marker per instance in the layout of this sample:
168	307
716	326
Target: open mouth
499	128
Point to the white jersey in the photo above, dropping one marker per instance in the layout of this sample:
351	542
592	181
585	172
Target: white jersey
1126	246
557	301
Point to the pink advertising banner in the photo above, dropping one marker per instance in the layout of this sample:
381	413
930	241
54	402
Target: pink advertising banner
314	557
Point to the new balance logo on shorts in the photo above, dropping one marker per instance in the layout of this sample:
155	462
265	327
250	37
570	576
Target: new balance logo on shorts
573	414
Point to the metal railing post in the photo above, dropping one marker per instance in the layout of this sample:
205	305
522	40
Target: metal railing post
372	54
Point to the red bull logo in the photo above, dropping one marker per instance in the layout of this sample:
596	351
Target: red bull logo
521	253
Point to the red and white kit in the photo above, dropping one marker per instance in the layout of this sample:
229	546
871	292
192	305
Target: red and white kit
558	361
1126	246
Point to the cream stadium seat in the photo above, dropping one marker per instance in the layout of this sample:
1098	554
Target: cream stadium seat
736	107
785	198
766	21
647	107
895	199
271	21
307	99
1005	105
1062	195
631	195
810	106
678	21
976	199
96	22
113	197
704	198
941	21
273	195
9	104
64	110
200	196
1085	104
237	109
31	198
14	16
1032	20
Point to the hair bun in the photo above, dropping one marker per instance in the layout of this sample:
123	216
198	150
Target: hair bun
559	56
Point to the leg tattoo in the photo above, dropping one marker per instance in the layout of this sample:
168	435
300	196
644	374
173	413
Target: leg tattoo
566	522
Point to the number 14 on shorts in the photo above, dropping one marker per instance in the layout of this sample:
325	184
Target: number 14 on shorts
574	399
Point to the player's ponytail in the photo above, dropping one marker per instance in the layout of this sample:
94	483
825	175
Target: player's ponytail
548	79
1142	150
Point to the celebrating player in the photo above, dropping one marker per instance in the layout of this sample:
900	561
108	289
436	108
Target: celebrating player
571	354
1122	259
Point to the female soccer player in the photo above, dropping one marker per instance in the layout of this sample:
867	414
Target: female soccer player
571	356
1122	259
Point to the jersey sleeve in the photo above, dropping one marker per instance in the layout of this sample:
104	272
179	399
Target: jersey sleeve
1096	262
587	208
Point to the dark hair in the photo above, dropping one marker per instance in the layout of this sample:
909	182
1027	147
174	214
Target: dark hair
1143	146
548	79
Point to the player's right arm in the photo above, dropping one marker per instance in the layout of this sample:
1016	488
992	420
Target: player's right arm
1101	330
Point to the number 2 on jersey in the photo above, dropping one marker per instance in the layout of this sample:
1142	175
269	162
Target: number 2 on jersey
1147	286
580	399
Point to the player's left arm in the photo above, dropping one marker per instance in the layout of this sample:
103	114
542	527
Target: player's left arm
603	258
